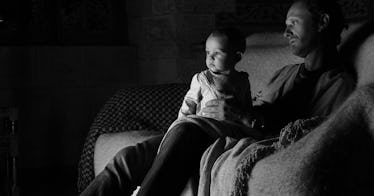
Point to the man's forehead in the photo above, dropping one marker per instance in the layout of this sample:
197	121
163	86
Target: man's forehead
299	10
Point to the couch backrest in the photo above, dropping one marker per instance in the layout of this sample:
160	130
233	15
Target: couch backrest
265	54
357	49
365	62
268	52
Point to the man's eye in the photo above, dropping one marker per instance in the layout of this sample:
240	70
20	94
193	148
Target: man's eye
291	23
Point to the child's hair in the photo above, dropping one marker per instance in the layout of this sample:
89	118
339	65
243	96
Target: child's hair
234	37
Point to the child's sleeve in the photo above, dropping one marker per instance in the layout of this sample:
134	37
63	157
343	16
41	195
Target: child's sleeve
192	98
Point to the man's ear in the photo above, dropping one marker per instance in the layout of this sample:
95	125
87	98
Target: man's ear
324	22
239	55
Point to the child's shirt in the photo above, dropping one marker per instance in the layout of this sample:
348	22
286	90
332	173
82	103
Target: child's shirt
206	86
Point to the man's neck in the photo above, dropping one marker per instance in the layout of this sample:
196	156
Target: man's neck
320	57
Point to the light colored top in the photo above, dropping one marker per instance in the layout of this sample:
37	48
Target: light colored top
206	86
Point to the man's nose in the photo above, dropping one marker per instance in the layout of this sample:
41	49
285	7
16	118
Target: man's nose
287	32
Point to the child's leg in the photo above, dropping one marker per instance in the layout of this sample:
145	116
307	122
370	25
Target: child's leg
126	170
178	158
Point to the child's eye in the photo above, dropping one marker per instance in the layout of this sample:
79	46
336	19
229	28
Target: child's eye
215	53
208	53
220	53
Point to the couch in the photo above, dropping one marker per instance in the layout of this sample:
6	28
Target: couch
137	113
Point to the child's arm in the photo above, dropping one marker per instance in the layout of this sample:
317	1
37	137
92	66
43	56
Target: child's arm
220	109
191	99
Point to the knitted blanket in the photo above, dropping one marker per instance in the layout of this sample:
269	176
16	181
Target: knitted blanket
226	166
335	158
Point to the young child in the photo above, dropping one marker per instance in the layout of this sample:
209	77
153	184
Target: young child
182	146
224	49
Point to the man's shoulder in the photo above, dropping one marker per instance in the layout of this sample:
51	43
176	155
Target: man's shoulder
289	68
286	72
338	78
338	74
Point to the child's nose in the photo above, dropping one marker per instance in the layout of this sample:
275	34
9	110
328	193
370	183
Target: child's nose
210	57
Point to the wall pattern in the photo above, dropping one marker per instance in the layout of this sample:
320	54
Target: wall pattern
66	22
273	12
357	9
104	21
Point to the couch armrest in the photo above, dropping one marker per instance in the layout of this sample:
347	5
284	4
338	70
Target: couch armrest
152	107
108	144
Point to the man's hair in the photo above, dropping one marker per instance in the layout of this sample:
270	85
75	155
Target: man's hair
233	35
331	8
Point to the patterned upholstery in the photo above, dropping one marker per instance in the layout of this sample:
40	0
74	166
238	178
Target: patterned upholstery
152	107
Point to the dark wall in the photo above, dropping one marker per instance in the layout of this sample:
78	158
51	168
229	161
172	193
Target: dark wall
58	71
58	90
61	60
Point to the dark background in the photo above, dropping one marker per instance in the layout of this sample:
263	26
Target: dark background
60	60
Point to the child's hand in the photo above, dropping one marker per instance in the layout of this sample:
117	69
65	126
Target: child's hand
220	109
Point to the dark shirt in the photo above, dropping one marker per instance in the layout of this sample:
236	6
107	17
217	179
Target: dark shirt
296	93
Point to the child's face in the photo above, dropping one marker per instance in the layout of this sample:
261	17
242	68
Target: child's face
220	58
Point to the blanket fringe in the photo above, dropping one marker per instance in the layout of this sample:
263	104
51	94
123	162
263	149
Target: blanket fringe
291	133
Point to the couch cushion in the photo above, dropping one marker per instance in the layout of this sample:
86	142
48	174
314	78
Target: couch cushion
365	62
108	144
